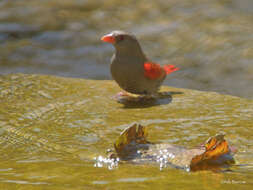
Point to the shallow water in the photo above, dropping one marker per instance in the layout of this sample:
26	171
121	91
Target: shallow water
52	128
211	41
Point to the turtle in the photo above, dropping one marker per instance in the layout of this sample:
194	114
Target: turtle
132	146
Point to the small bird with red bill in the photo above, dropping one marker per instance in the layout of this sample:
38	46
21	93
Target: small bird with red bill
130	67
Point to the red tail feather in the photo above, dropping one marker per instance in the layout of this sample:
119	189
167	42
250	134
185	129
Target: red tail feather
170	68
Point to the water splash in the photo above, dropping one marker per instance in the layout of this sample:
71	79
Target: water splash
110	163
163	158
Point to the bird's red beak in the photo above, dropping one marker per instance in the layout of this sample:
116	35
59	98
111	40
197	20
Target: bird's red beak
108	38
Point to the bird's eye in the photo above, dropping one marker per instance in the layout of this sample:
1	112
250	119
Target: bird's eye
121	37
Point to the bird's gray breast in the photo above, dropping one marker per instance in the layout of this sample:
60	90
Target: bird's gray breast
129	74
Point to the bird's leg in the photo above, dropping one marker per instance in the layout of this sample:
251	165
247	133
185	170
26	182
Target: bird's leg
123	94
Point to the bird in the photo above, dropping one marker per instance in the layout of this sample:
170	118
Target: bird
130	67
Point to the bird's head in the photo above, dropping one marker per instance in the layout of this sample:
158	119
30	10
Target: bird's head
122	41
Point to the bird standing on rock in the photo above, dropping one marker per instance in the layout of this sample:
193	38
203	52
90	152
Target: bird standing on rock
131	69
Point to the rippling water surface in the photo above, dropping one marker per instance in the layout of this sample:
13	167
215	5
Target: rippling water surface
211	41
54	134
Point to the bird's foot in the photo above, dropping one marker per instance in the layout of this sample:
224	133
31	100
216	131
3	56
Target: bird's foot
123	94
147	96
127	97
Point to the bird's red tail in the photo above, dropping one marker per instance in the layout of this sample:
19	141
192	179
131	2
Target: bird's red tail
170	68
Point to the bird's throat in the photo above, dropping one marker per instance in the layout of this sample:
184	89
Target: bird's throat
130	55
